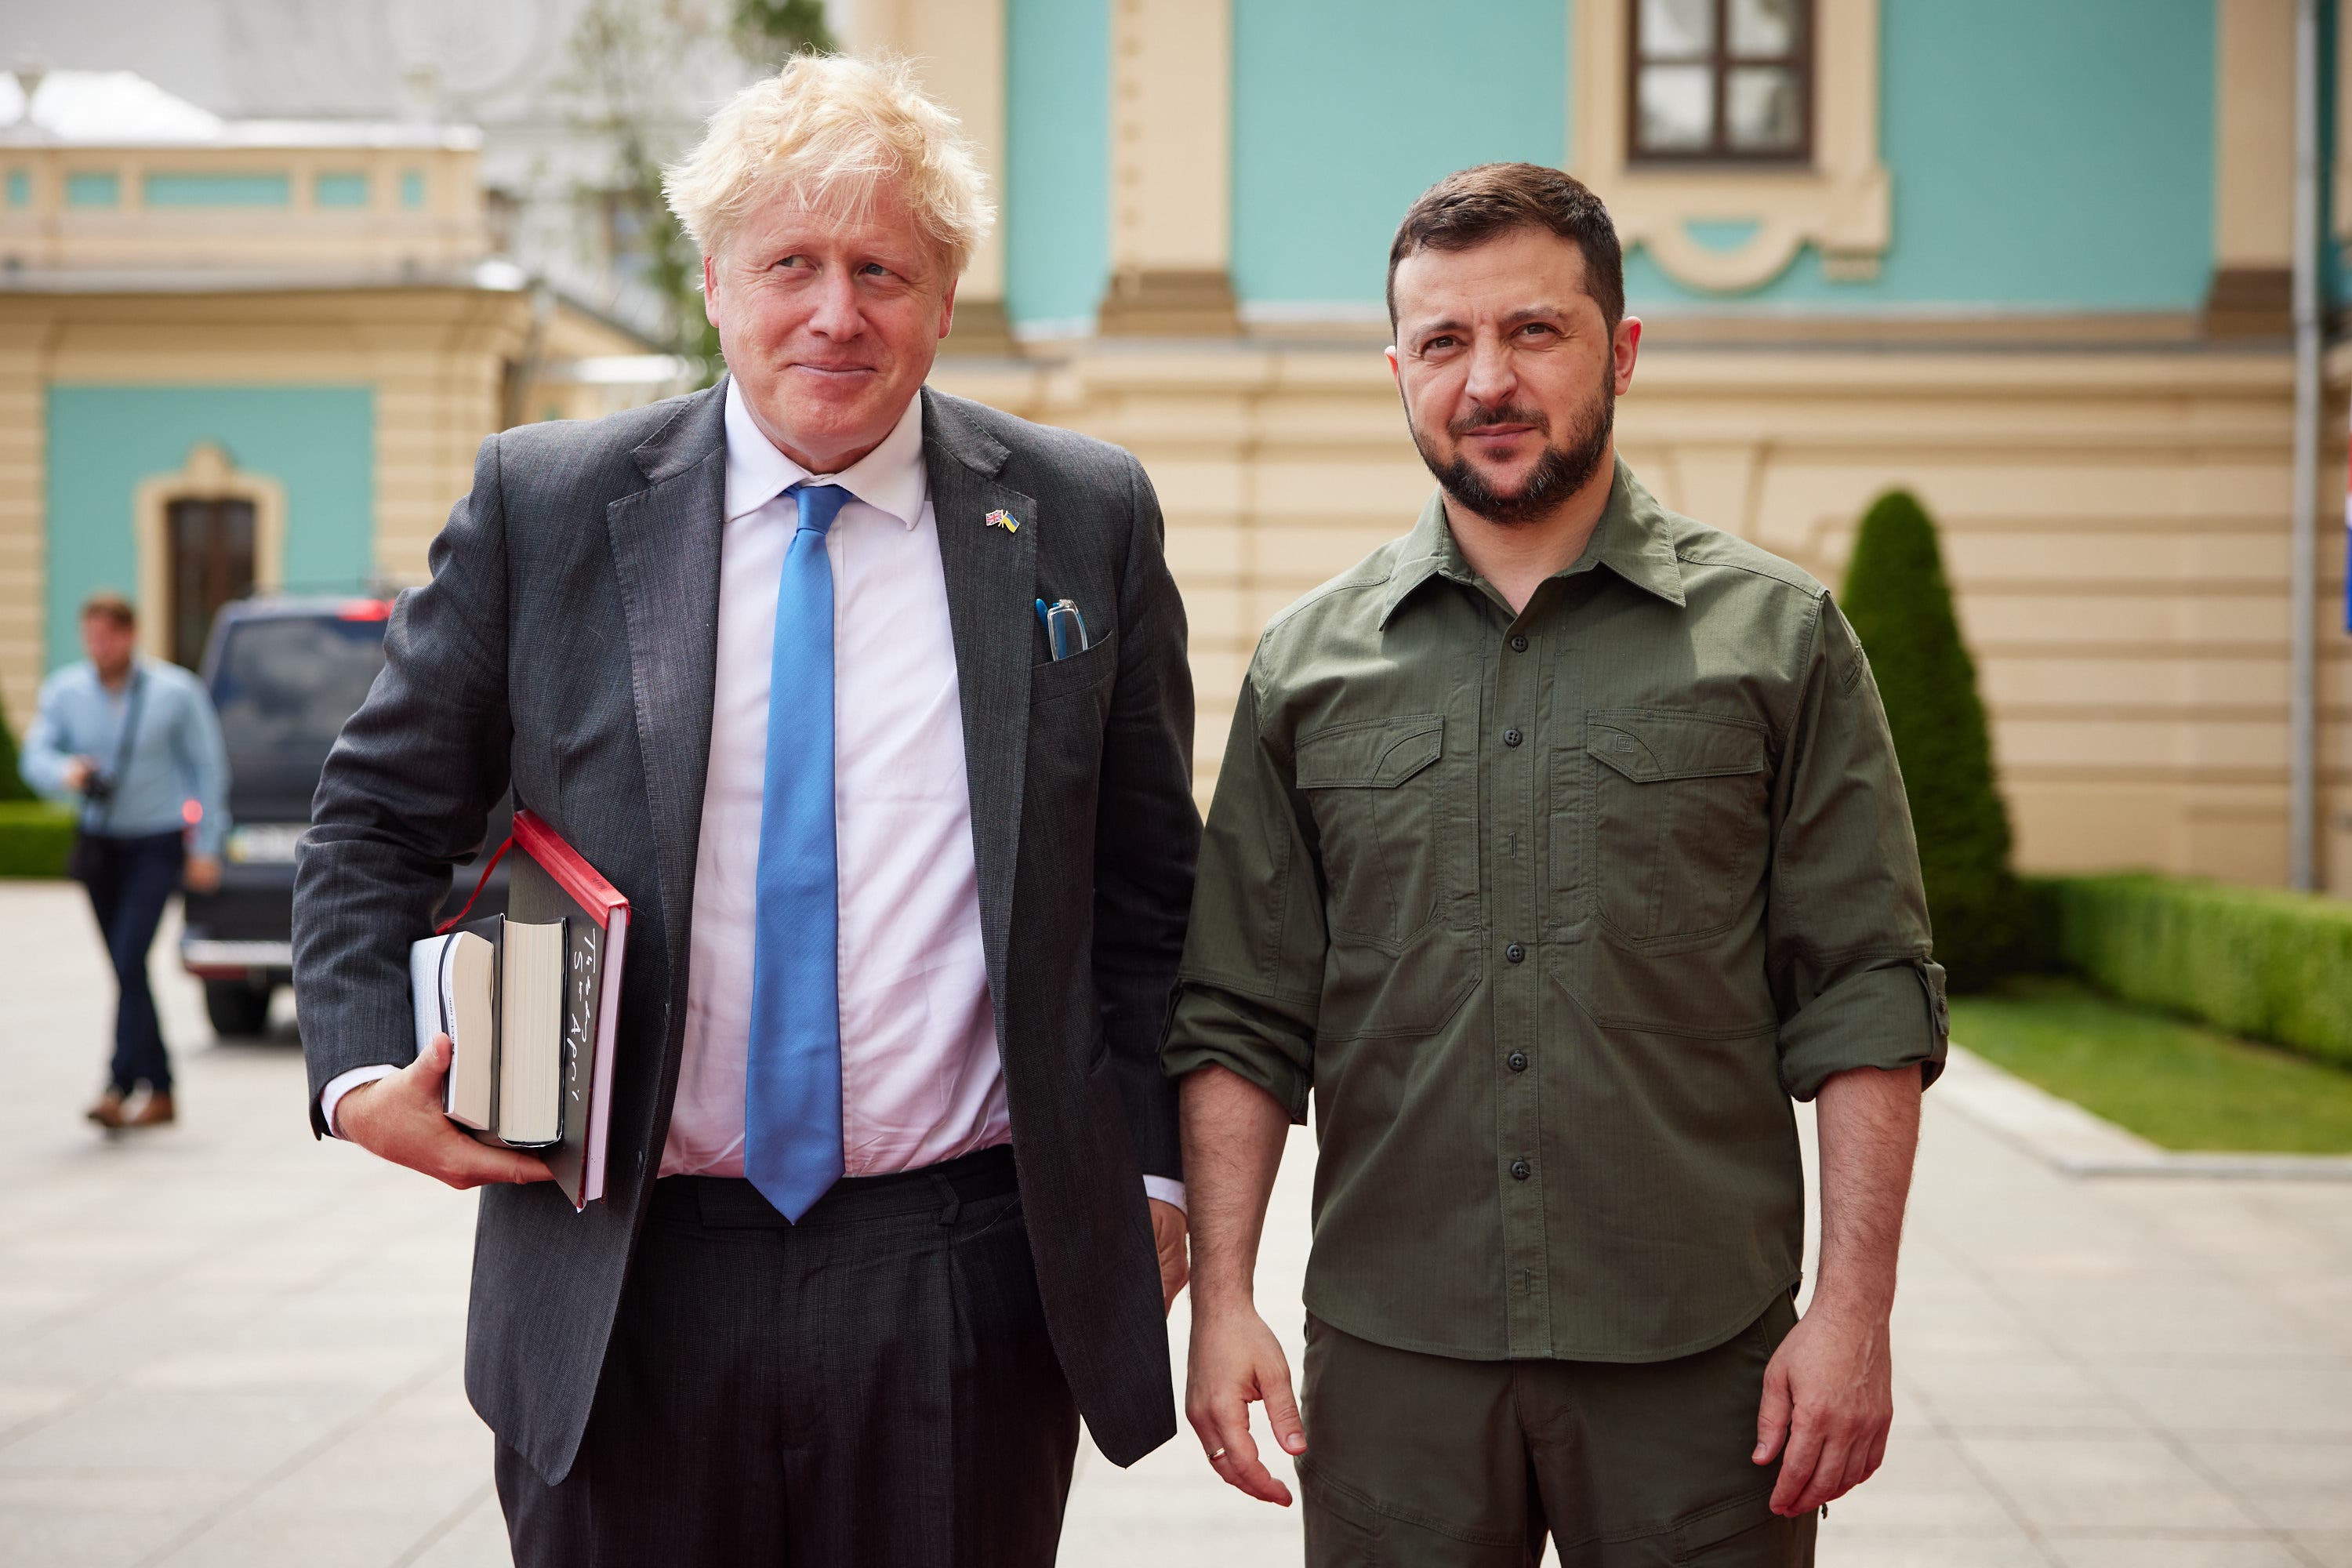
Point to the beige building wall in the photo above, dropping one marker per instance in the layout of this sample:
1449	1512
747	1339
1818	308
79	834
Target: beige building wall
2115	523
445	231
434	356
24	483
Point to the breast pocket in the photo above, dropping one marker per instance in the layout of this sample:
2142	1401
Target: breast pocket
1679	814
1371	789
1087	671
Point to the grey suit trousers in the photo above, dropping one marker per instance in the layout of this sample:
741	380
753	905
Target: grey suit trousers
873	1385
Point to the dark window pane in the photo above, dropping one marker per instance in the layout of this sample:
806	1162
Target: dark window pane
1677	29
210	544
1762	106
1763	28
1677	109
285	684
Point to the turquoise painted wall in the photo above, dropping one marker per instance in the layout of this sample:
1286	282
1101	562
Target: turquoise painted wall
317	441
202	190
1057	198
93	190
2048	157
2044	157
329	189
1342	114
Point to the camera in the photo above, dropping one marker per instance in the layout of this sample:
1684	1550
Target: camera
98	789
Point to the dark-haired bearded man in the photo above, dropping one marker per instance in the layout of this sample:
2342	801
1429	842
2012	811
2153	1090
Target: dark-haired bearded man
1557	848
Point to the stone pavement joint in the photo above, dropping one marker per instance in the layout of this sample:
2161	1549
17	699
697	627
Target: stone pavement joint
225	1343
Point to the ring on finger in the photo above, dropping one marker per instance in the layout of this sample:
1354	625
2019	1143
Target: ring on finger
1215	1457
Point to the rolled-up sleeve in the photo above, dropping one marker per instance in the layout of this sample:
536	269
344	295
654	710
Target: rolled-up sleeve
1846	937
1253	969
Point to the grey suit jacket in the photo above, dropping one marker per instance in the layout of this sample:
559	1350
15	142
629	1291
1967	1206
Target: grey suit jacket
566	645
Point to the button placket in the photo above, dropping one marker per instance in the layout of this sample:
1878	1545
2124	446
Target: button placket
1519	794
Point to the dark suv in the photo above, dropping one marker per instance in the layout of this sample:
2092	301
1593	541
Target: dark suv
284	672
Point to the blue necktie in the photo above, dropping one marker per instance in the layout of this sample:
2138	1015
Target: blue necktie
792	1085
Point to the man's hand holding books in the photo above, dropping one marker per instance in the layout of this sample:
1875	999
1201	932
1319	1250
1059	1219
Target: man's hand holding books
401	1119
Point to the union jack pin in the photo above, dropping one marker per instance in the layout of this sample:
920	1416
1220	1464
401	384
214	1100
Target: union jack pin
1004	520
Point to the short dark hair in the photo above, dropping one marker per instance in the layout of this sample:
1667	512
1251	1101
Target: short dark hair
1470	207
109	606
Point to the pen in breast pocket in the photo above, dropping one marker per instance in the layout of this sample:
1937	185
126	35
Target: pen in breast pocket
1065	629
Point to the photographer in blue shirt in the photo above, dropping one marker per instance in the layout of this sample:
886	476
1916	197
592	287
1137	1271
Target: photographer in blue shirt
135	743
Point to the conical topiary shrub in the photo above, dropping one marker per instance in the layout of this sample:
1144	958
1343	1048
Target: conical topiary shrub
1900	606
12	783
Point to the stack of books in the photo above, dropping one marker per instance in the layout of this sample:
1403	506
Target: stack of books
529	1001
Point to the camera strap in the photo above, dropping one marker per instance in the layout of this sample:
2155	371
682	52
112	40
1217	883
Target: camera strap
122	744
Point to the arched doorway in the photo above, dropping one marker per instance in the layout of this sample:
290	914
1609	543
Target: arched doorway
207	535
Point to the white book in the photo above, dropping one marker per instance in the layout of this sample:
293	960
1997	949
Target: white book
496	987
453	980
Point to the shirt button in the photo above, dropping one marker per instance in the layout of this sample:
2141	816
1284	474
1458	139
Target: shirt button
1515	953
1517	1061
1512	737
1521	1170
1518	645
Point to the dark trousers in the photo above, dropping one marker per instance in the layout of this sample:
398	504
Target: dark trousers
1441	1463
871	1386
133	880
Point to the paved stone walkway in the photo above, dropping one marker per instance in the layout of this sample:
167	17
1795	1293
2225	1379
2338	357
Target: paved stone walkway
225	1344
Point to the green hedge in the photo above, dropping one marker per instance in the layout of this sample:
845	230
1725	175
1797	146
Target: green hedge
34	838
2266	964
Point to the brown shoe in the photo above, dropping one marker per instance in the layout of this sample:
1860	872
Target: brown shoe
108	1111
155	1110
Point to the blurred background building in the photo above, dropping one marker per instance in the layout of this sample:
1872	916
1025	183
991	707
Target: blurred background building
275	265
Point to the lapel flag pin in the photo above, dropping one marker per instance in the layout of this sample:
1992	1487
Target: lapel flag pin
1004	520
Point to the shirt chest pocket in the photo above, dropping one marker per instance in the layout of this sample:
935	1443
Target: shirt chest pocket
1680	813
1371	788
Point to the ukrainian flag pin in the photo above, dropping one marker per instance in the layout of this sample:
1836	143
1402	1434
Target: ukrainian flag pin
1004	520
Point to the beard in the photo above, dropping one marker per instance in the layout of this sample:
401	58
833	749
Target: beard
1560	472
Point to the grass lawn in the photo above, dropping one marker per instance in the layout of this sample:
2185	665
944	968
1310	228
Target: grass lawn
2177	1084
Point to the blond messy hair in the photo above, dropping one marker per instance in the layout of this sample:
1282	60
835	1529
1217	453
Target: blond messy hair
827	130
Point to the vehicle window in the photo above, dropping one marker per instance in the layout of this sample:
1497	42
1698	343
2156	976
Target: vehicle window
286	684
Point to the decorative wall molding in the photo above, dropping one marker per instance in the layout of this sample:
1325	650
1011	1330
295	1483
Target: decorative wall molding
1172	169
958	50
206	475
2251	291
1729	229
2340	205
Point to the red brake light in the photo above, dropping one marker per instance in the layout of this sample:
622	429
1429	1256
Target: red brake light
365	610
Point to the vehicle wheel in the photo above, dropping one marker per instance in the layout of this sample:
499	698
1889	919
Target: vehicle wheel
236	1006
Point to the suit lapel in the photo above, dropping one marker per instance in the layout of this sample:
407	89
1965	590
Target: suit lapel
665	541
991	575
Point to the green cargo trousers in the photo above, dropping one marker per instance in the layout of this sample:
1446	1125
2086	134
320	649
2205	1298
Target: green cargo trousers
1434	1462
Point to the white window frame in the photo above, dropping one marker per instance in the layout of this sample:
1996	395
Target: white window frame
1840	204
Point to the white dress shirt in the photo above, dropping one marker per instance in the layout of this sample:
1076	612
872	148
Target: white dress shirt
921	1080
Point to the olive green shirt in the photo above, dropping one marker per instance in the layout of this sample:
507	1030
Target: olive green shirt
1554	915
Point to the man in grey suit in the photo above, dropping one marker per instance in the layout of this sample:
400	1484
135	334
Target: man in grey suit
892	1193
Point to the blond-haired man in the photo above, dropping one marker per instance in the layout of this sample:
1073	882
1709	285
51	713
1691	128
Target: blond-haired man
909	878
